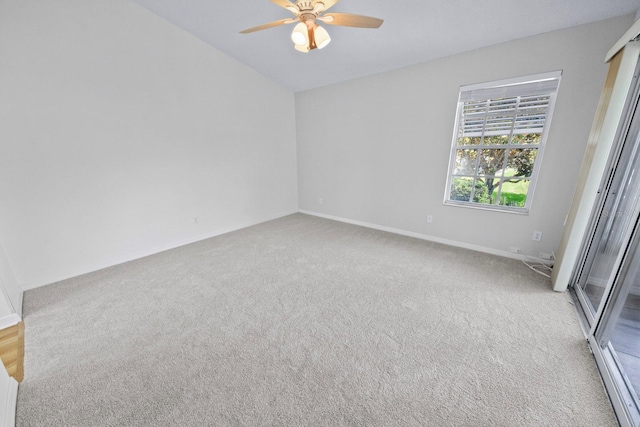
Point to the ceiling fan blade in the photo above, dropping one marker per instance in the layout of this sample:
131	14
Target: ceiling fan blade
283	3
351	20
268	25
287	5
327	3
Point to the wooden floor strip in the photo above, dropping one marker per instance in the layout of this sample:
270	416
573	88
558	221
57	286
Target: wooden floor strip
12	350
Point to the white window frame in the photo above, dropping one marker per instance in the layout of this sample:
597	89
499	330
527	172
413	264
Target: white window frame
546	84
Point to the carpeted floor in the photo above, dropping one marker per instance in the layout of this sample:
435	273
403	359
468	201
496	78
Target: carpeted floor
304	321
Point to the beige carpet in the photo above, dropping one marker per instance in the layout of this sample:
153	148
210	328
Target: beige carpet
303	321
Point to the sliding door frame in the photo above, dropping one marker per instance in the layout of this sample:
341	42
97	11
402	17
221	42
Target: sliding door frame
619	159
624	401
607	203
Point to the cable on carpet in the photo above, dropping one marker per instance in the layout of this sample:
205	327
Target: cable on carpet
539	265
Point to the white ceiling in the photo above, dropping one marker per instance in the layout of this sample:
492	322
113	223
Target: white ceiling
413	31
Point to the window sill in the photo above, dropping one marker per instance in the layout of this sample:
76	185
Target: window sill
494	208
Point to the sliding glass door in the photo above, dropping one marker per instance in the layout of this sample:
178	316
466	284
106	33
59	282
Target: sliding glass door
617	336
612	229
608	283
620	192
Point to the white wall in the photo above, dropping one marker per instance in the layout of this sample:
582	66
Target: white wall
9	287
117	129
376	149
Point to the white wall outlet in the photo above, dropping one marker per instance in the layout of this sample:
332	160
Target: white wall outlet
195	220
514	249
320	201
537	236
429	219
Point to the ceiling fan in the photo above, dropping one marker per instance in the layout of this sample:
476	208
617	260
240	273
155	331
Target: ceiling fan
307	34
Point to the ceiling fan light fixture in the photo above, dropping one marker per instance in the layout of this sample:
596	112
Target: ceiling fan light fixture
299	35
307	34
321	37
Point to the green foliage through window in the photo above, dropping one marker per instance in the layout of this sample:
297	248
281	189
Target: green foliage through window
461	190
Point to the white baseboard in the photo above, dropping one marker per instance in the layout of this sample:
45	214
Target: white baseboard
132	257
9	320
463	245
174	245
8	401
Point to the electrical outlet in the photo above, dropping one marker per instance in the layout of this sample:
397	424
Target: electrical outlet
320	201
537	236
429	219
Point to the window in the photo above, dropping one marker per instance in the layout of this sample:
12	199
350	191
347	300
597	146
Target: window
499	136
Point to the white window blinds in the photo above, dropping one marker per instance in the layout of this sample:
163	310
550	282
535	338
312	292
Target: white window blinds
506	108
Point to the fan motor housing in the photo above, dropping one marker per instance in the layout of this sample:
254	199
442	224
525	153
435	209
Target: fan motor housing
304	6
